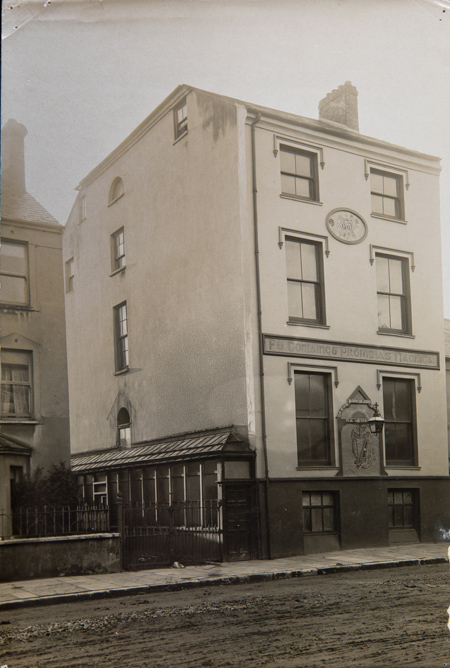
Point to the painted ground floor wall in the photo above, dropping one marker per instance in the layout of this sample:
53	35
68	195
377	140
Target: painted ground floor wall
310	516
356	379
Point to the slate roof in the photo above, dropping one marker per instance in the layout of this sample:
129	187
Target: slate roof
163	451
24	208
447	337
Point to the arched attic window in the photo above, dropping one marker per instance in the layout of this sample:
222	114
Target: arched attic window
116	190
124	428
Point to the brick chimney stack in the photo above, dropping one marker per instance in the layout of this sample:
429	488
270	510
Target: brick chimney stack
13	157
341	106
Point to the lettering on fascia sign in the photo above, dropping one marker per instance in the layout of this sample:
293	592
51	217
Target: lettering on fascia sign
349	352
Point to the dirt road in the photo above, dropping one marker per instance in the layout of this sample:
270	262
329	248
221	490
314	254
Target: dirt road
395	617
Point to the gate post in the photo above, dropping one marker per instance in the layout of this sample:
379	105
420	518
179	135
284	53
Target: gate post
171	534
120	527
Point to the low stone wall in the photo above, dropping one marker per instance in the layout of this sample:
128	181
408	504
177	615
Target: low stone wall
24	558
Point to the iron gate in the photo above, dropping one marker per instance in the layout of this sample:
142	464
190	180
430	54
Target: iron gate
158	534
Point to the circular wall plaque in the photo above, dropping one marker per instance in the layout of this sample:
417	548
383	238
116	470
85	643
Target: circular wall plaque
347	226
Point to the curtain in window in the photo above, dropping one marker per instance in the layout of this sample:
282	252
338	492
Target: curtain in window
15	391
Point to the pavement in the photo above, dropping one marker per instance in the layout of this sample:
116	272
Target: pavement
82	587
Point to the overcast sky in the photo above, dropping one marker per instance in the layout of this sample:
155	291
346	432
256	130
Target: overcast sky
81	75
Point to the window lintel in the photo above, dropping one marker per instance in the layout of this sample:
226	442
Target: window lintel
319	369
402	374
385	167
395	252
284	232
296	144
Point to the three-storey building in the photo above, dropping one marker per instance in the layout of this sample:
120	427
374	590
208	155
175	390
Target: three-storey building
244	288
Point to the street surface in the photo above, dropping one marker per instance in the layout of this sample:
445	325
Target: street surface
388	617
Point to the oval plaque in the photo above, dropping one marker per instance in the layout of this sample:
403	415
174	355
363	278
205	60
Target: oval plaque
347	226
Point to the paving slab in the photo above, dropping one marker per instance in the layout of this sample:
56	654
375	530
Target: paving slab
81	587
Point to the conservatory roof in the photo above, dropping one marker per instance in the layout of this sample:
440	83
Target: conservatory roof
199	446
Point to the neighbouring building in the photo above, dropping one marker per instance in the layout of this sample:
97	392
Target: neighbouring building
244	287
34	421
447	376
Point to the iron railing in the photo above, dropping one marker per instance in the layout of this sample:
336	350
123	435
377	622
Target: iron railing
58	521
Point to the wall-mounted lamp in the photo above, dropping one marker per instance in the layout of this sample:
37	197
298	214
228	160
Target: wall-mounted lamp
376	423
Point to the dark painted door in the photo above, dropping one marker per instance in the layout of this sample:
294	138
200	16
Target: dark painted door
239	521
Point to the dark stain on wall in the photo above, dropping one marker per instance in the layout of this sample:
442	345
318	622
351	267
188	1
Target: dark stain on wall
217	114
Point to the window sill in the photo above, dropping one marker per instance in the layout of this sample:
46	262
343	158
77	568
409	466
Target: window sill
177	139
18	421
121	371
400	467
18	307
298	323
301	199
392	220
113	201
317	468
383	332
118	271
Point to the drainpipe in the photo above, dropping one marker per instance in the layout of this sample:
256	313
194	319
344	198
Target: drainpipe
258	303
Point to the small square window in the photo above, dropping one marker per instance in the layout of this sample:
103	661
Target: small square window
319	512
118	250
387	194
69	275
299	176
403	508
180	120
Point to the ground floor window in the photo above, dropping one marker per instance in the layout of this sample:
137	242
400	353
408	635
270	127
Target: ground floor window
314	418
319	512
400	421
402	505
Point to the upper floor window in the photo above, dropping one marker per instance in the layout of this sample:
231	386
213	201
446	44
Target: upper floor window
69	275
121	336
16	387
180	119
305	283
83	208
124	428
399	416
116	190
314	418
14	288
299	176
118	250
387	194
393	295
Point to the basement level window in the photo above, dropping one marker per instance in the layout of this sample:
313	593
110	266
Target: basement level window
319	512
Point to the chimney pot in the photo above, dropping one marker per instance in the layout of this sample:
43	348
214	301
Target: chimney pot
13	157
341	106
